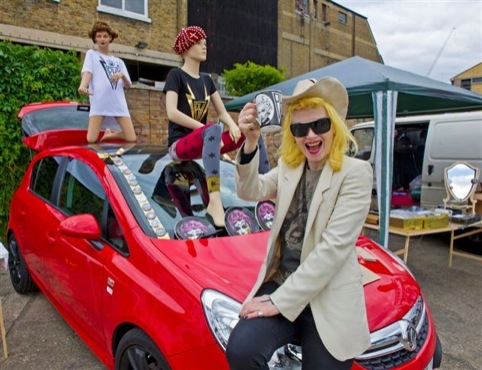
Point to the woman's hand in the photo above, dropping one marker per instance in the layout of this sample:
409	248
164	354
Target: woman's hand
84	90
248	123
258	307
116	77
234	133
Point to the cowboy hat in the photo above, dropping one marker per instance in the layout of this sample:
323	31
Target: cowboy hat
328	88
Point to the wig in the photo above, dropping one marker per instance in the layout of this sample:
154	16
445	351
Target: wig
289	150
102	26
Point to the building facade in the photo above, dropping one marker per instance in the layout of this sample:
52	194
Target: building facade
470	79
295	36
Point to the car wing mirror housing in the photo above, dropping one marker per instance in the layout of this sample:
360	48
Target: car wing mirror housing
83	226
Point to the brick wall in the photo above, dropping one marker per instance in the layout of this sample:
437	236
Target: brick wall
148	111
75	18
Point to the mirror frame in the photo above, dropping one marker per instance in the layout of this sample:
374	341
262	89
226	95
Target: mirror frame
452	198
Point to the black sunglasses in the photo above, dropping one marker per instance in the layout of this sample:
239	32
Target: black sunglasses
320	126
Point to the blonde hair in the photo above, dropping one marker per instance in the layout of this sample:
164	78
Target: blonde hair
289	150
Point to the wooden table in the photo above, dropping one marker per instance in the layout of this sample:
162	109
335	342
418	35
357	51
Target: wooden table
456	231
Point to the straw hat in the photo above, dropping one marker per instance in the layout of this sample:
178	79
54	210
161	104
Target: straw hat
328	88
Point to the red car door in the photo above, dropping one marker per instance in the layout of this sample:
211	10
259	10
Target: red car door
37	217
77	277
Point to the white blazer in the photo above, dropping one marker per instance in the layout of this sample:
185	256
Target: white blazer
329	277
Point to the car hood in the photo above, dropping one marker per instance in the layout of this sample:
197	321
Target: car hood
231	264
227	264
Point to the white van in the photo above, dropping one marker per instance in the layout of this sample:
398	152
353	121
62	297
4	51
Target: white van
423	147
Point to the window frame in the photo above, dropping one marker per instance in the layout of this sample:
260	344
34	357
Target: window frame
35	175
302	7
125	13
342	17
466	83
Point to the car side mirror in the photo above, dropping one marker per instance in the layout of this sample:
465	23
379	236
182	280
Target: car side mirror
83	226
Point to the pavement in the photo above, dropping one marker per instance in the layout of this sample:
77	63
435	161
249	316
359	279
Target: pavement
38	337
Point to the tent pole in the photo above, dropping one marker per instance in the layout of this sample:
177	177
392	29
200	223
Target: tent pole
384	108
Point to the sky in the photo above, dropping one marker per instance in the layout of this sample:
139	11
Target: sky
433	38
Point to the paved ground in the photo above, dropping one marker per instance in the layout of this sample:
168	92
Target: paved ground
38	338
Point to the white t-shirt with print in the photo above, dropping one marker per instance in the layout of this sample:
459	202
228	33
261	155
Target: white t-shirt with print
107	98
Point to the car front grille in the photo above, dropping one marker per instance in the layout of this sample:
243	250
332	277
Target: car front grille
387	350
391	360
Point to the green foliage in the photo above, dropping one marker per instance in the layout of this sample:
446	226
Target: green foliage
27	74
248	77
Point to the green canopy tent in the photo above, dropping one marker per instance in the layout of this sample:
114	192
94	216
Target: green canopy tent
383	92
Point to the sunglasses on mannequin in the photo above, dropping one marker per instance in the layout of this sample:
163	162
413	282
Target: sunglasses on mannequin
320	126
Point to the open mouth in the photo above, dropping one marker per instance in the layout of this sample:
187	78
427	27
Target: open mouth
313	147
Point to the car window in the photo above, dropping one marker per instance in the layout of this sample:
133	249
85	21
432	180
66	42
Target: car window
81	191
43	176
56	118
113	232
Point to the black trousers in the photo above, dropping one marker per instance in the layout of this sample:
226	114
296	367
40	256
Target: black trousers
253	342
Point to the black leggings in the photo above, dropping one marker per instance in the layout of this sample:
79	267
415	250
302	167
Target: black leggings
253	342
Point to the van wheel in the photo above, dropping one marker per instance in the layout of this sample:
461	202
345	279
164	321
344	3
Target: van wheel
19	276
137	351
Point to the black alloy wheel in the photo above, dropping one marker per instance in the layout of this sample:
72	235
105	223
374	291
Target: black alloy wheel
136	351
19	276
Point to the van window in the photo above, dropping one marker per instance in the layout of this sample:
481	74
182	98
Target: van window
364	139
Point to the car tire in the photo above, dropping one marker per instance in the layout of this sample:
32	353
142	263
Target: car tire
19	275
137	351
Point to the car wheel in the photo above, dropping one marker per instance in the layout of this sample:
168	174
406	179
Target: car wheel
136	351
20	277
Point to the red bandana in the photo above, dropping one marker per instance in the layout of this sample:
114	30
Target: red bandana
187	37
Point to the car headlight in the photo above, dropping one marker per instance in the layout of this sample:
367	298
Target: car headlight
221	313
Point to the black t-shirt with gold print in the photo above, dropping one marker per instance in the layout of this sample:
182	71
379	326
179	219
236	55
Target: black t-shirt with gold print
194	97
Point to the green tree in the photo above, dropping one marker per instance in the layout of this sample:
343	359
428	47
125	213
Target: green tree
27	74
248	77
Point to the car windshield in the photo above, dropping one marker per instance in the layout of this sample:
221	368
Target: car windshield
174	189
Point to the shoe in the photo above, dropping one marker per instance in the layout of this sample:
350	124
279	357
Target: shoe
211	220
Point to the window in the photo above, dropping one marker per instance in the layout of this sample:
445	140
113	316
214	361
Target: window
81	191
466	84
342	18
302	6
364	140
43	176
324	11
136	9
477	80
113	232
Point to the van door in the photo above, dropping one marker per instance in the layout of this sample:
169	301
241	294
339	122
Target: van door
450	139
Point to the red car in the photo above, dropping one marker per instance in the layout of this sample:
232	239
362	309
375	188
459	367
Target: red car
97	229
